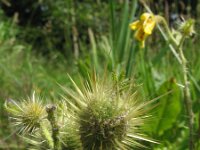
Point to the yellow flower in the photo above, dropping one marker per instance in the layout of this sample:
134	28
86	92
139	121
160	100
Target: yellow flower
144	27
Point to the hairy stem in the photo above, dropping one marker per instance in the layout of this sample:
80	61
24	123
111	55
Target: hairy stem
55	129
47	135
187	95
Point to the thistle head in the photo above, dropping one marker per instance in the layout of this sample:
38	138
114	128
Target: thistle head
109	113
27	114
69	135
187	27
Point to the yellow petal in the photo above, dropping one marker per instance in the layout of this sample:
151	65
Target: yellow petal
140	35
145	16
134	25
149	26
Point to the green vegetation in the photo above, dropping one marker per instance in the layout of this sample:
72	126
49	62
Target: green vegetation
39	47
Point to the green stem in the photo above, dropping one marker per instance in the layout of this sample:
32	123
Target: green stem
171	37
55	129
187	95
47	135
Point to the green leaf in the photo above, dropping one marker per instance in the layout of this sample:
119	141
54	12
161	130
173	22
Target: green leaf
169	107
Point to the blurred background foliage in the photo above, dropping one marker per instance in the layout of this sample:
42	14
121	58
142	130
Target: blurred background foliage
42	41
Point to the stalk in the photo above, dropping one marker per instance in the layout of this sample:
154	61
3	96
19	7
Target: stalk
187	95
55	129
46	134
186	82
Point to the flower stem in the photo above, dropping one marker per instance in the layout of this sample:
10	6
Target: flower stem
171	37
187	95
55	129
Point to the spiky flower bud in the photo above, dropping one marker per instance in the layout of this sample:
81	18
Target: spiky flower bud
187	27
26	114
109	115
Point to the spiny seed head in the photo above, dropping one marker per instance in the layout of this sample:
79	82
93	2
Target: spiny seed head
100	124
110	114
69	135
187	27
26	114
